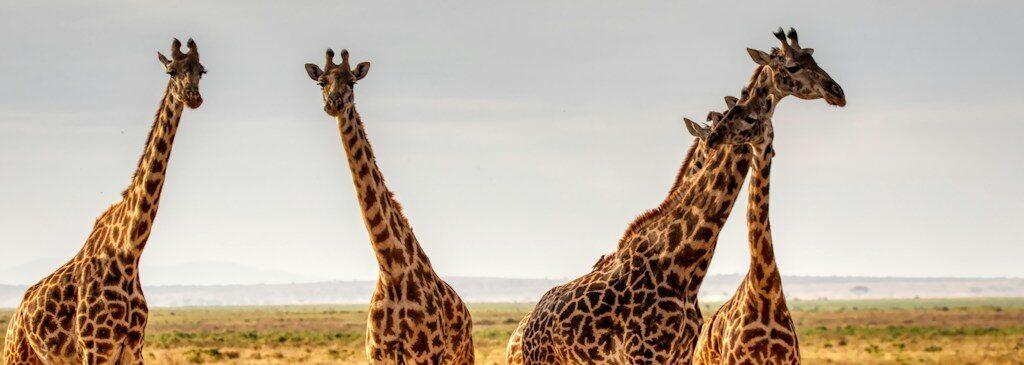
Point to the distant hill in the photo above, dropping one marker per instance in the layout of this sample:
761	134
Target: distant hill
482	289
190	273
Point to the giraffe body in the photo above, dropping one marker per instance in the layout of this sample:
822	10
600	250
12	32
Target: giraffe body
92	309
415	317
639	304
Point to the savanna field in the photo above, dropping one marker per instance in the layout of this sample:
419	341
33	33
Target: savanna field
912	331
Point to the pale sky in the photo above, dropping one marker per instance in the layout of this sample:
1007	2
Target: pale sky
521	137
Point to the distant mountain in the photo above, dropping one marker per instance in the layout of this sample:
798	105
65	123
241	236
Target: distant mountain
203	272
191	273
483	289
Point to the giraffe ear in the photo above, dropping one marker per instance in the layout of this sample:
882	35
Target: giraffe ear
759	57
163	60
808	51
314	71
361	70
730	101
715	117
695	129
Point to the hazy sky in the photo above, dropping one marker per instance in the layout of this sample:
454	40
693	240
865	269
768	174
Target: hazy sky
521	137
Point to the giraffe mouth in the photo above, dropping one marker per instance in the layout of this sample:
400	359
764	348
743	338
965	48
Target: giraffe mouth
192	98
834	95
194	103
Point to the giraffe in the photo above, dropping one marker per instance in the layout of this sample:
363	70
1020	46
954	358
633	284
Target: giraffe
754	326
92	310
639	304
693	162
414	316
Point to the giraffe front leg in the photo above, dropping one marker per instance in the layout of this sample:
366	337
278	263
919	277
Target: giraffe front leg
101	336
134	338
96	341
132	352
132	355
97	351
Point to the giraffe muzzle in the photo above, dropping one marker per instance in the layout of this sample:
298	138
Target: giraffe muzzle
192	98
334	105
834	95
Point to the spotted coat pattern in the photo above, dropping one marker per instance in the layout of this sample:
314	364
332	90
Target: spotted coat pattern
92	310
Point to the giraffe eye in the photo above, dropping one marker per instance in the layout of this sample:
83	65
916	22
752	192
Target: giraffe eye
793	69
322	83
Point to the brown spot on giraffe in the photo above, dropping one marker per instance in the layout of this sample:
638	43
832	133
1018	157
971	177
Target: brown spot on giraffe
414	317
754	326
92	309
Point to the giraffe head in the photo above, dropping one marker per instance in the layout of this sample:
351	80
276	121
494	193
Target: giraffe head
337	81
746	123
794	71
185	71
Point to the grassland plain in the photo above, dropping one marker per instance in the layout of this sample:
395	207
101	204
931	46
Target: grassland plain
912	331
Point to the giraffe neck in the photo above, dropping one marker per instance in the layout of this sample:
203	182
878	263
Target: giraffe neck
763	275
760	86
707	194
394	243
140	200
703	209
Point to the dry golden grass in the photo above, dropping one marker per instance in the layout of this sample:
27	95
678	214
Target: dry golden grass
965	331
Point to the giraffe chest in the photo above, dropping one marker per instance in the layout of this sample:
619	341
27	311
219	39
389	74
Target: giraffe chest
112	307
85	309
422	323
756	328
621	317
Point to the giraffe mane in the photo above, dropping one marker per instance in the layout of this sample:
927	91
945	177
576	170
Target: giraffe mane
149	138
745	93
398	206
647	216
